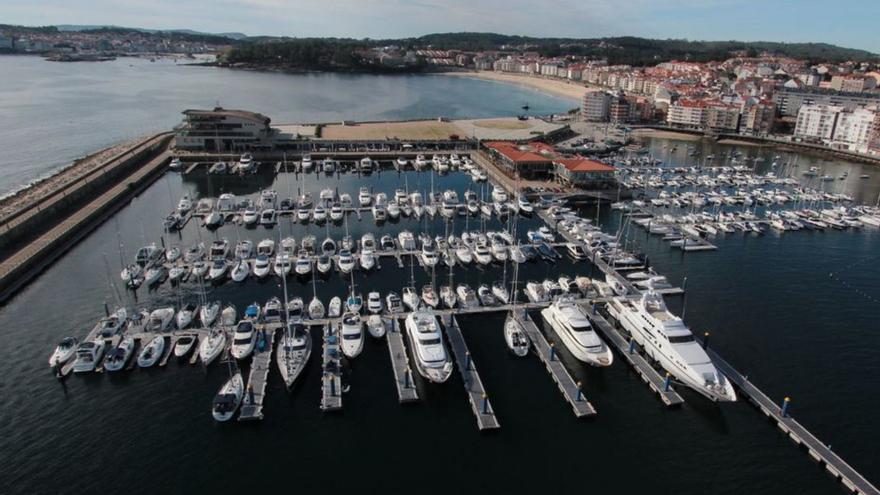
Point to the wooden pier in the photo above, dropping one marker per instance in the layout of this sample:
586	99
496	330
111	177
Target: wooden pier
473	385
403	378
817	450
647	372
260	364
331	369
561	376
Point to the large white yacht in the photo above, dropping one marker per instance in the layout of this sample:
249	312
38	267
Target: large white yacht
576	332
432	359
665	338
352	335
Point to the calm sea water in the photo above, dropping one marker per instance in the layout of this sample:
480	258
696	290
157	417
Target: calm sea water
55	112
771	304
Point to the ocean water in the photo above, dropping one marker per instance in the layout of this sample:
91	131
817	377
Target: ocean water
56	112
796	312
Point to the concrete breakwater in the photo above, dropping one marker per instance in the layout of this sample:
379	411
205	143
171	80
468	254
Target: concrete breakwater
34	236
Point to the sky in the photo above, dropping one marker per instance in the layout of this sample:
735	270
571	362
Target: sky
849	23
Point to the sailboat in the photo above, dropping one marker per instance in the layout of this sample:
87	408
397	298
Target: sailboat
295	348
229	398
514	334
316	307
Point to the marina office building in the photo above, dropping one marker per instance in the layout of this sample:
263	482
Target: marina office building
222	130
538	160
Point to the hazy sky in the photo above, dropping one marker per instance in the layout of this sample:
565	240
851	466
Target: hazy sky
851	23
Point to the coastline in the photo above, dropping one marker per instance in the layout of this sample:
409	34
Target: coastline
555	87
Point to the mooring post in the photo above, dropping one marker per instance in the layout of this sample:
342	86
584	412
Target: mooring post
467	360
666	383
632	345
485	404
705	340
552	351
580	394
785	402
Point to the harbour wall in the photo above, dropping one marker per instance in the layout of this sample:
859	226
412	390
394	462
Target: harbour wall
34	237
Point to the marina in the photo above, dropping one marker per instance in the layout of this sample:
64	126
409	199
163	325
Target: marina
617	263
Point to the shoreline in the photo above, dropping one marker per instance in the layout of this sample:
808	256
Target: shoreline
555	87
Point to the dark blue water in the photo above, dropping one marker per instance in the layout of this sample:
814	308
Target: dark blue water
769	303
64	111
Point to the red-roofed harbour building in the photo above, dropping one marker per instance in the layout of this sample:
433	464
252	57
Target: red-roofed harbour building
584	173
529	161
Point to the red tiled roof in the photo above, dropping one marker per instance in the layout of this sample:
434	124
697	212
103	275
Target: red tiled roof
531	152
583	165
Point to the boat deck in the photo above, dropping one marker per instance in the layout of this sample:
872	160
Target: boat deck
560	375
259	374
403	378
647	372
473	385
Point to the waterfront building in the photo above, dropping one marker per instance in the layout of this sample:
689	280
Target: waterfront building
686	113
619	111
854	130
596	106
529	160
758	117
789	102
584	173
816	122
222	129
721	117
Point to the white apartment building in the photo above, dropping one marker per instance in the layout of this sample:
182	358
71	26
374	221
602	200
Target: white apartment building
816	122
686	113
853	131
597	105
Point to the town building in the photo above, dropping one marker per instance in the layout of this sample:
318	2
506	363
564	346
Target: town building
852	83
221	130
816	122
596	107
687	114
529	161
789	102
584	173
758	117
854	130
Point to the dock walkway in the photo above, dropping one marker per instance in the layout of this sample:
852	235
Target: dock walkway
473	385
647	372
260	364
561	376
331	378
403	379
838	468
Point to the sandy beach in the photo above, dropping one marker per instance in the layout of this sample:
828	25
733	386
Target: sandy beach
661	134
556	87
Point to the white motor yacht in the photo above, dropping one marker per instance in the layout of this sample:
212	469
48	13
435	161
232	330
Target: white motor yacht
668	341
88	355
118	357
282	265
467	298
262	266
367	259
407	240
352	335
243	339
376	326
324	263
536	292
374	302
574	329
64	352
159	320
345	261
432	359
394	303
364	197
303	264
152	352
183	345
